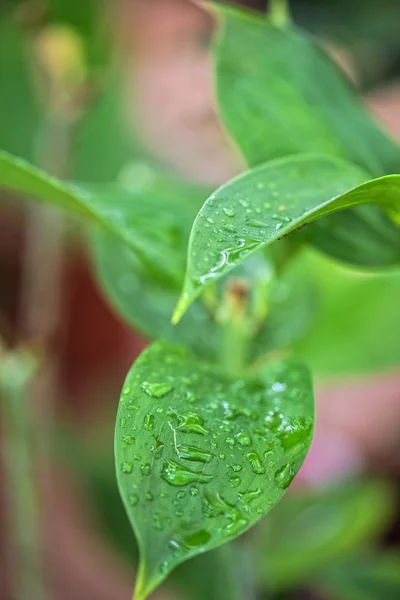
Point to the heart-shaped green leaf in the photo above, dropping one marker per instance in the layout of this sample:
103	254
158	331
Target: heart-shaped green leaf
269	202
279	93
201	457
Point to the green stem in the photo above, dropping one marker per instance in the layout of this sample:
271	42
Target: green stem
279	12
16	371
233	319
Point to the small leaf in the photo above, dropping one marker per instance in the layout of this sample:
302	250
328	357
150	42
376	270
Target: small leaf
199	466
269	202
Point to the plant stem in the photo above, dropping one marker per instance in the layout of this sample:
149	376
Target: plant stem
279	12
16	372
233	319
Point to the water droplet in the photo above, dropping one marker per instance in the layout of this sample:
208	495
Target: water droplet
193	453
236	468
191	423
267	205
128	439
127	467
190	397
256	223
148	422
157	522
229	212
230	441
244	203
235	526
260	185
222	456
164	567
284	476
137	457
159	410
247	497
215	504
214	445
175	474
194	491
243	439
197	539
133	500
210	220
145	469
156	390
157	448
122	423
175	546
278	387
149	496
256	463
235	481
126	391
181	494
230	228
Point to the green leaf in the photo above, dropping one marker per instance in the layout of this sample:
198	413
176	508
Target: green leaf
201	457
145	222
279	93
365	306
369	577
270	201
306	533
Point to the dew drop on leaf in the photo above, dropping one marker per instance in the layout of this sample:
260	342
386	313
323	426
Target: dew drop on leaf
256	463
127	467
175	474
156	390
284	476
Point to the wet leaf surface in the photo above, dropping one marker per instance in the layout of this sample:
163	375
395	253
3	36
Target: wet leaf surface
201	457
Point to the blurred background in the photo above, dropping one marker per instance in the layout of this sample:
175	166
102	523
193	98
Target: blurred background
92	90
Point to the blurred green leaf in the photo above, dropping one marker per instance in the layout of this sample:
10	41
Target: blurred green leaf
309	531
279	93
370	577
270	201
365	306
130	216
193	447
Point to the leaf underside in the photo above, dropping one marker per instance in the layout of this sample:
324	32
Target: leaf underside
201	457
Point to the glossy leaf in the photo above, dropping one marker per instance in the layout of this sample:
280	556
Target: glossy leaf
279	93
201	457
308	532
370	577
268	202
